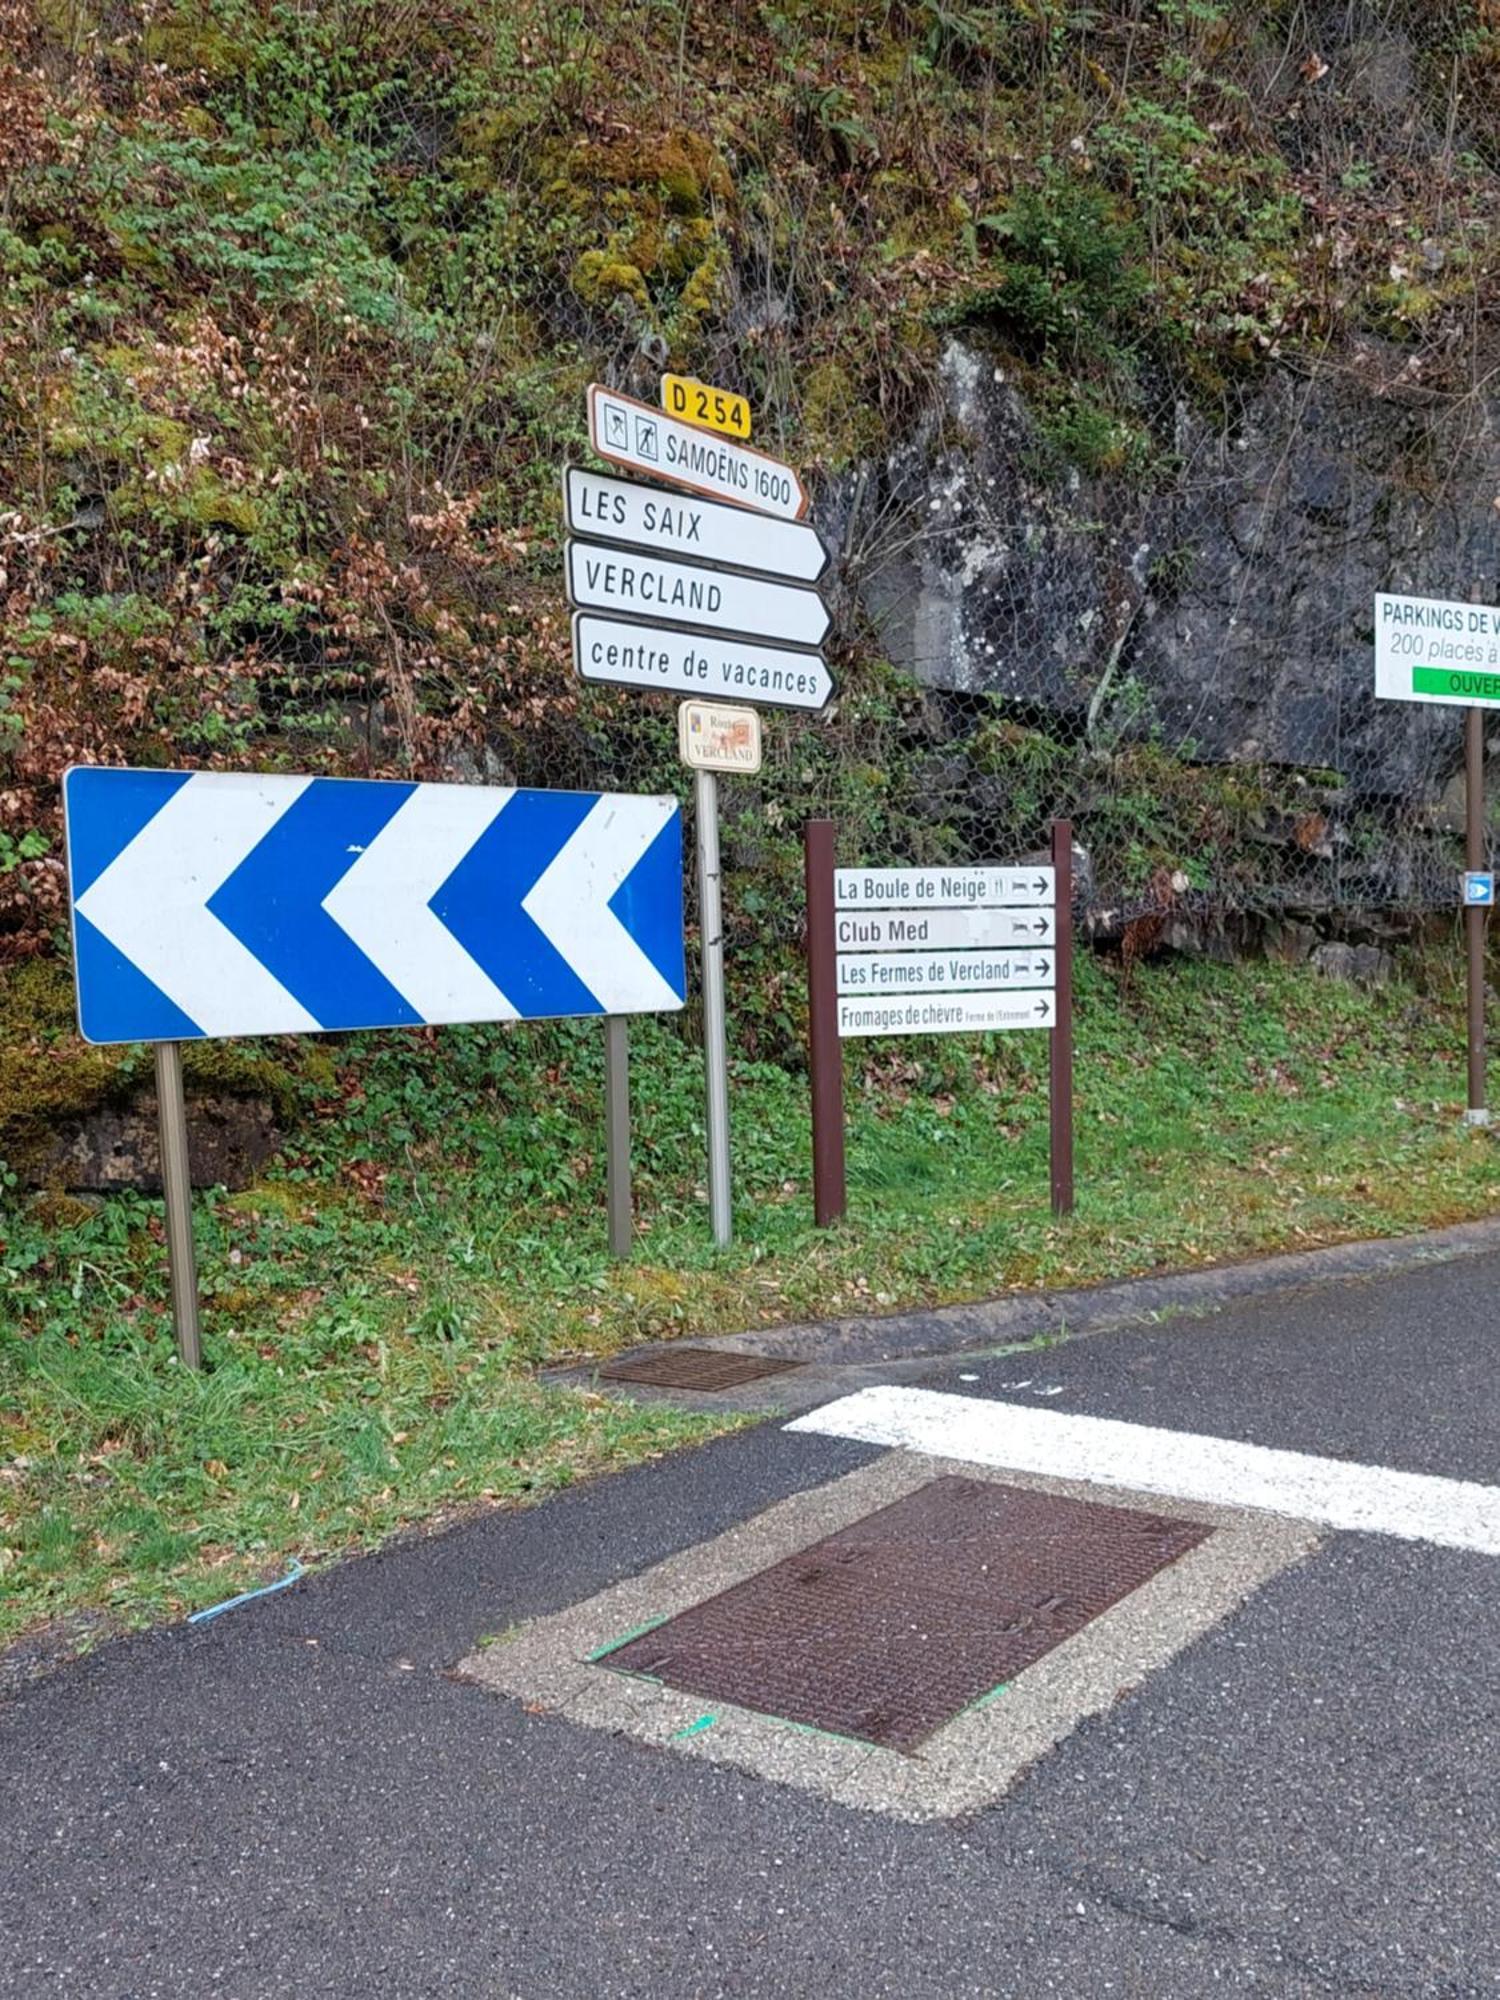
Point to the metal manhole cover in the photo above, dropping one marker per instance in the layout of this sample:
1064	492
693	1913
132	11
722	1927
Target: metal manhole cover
891	1627
703	1368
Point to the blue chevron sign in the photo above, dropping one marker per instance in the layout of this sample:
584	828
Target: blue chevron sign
212	903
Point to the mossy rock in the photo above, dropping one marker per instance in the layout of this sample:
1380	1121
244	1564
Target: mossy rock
54	1211
52	1083
839	421
599	280
47	1079
190	41
682	169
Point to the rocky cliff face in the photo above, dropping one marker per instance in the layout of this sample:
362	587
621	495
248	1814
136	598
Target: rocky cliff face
1222	602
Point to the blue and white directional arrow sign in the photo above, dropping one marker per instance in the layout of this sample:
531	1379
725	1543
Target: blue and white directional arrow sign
212	904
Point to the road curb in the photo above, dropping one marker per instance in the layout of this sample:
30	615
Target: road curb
835	1355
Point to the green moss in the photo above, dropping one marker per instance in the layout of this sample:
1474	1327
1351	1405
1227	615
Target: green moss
190	40
100	412
207	501
681	168
700	299
229	1069
47	1079
838	419
652	203
70	22
50	1079
51	1210
600	279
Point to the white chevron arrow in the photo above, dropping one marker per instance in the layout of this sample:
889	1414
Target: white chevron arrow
150	902
570	903
382	902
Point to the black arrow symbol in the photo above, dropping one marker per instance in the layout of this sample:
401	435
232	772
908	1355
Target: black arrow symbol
1041	926
1040	885
1041	1006
1042	968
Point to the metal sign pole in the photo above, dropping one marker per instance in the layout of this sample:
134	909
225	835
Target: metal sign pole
825	1050
177	1187
1060	1041
1474	918
715	1053
617	1134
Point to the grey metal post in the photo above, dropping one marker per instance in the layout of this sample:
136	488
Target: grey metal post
715	1053
177	1186
617	1133
1475	920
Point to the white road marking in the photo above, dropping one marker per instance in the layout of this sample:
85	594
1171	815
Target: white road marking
1365	1499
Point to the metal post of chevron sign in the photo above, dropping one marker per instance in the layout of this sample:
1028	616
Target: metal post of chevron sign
210	904
177	1194
617	1197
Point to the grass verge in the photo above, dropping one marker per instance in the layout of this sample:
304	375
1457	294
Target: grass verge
374	1311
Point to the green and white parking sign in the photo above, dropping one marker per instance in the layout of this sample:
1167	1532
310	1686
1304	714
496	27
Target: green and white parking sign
1437	649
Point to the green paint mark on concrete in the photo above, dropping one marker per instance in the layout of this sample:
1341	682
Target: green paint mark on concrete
984	1700
695	1728
828	1735
614	1645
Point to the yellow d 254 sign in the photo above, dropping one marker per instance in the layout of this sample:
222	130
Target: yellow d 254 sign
698	403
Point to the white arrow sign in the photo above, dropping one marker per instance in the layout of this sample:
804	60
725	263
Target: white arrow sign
940	930
622	654
642	439
942	888
944	971
644	586
643	517
384	903
947	1014
151	904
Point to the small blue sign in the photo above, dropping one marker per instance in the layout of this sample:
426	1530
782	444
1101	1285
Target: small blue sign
1479	890
226	903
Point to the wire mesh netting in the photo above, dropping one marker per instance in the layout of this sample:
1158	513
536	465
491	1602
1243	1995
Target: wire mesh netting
1130	352
1185	672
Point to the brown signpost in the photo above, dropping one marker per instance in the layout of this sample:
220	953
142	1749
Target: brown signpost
825	1052
1475	918
1441	651
1060	1048
905	951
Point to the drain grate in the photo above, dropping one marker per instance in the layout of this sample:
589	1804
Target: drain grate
703	1368
891	1627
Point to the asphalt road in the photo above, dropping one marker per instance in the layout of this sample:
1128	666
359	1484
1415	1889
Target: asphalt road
298	1800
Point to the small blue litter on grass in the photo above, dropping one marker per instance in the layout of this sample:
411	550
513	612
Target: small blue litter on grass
247	1596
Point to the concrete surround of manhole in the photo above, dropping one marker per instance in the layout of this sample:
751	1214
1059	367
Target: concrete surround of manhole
970	1762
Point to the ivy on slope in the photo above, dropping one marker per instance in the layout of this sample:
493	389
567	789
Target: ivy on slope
297	305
